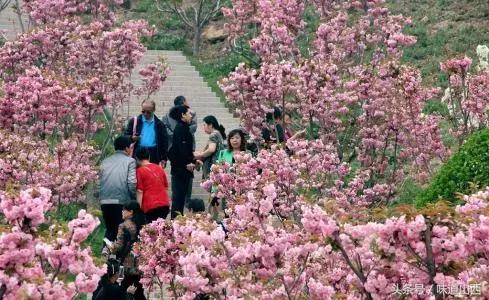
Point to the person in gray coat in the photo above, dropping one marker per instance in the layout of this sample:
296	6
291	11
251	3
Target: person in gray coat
117	182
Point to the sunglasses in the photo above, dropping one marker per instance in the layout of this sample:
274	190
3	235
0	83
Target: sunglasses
146	112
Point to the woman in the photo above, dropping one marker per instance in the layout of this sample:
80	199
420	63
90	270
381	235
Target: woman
216	134
127	235
152	188
108	289
236	144
182	158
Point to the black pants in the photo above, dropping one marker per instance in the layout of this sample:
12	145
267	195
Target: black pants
112	214
155	213
179	186
129	280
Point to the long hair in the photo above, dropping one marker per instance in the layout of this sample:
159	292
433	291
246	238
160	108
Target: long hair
137	215
241	134
211	120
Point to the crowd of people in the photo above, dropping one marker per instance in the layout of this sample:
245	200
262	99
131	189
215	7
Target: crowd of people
134	186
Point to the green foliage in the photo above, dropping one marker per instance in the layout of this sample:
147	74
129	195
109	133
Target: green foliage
170	32
465	171
443	28
407	193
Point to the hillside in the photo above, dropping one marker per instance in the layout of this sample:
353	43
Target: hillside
443	28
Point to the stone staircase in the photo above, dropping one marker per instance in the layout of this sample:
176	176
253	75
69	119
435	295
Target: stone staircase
183	80
9	22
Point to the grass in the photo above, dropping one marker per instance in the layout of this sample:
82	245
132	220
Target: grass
443	28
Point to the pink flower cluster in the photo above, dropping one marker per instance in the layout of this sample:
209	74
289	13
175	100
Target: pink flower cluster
28	208
65	170
152	76
467	97
34	260
313	255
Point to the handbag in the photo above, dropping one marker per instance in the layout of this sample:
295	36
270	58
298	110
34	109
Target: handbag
133	145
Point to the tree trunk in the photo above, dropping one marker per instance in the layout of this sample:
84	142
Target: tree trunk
196	42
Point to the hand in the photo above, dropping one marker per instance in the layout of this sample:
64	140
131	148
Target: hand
131	289
197	155
163	164
135	138
190	167
198	164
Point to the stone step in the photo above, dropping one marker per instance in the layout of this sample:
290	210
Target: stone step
197	101
189	96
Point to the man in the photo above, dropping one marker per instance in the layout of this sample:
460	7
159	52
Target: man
150	133
181	158
170	123
117	184
170	127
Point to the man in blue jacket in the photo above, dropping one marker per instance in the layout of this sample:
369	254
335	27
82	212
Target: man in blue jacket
150	133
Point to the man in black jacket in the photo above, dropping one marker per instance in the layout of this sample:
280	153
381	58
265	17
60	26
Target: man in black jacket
150	133
181	158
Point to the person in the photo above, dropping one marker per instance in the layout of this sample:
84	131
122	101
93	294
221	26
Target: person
108	288
170	127
290	135
127	235
273	131
171	123
117	183
149	133
214	145
236	144
181	158
196	205
152	188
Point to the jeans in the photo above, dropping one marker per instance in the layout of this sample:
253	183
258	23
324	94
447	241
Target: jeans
179	186
112	214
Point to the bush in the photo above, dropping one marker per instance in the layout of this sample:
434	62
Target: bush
469	167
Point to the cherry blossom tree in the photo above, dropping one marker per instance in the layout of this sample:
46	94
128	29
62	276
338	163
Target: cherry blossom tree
35	260
58	82
63	81
351	83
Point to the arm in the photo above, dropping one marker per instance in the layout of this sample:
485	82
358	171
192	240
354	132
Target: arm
139	197
211	148
131	179
119	241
